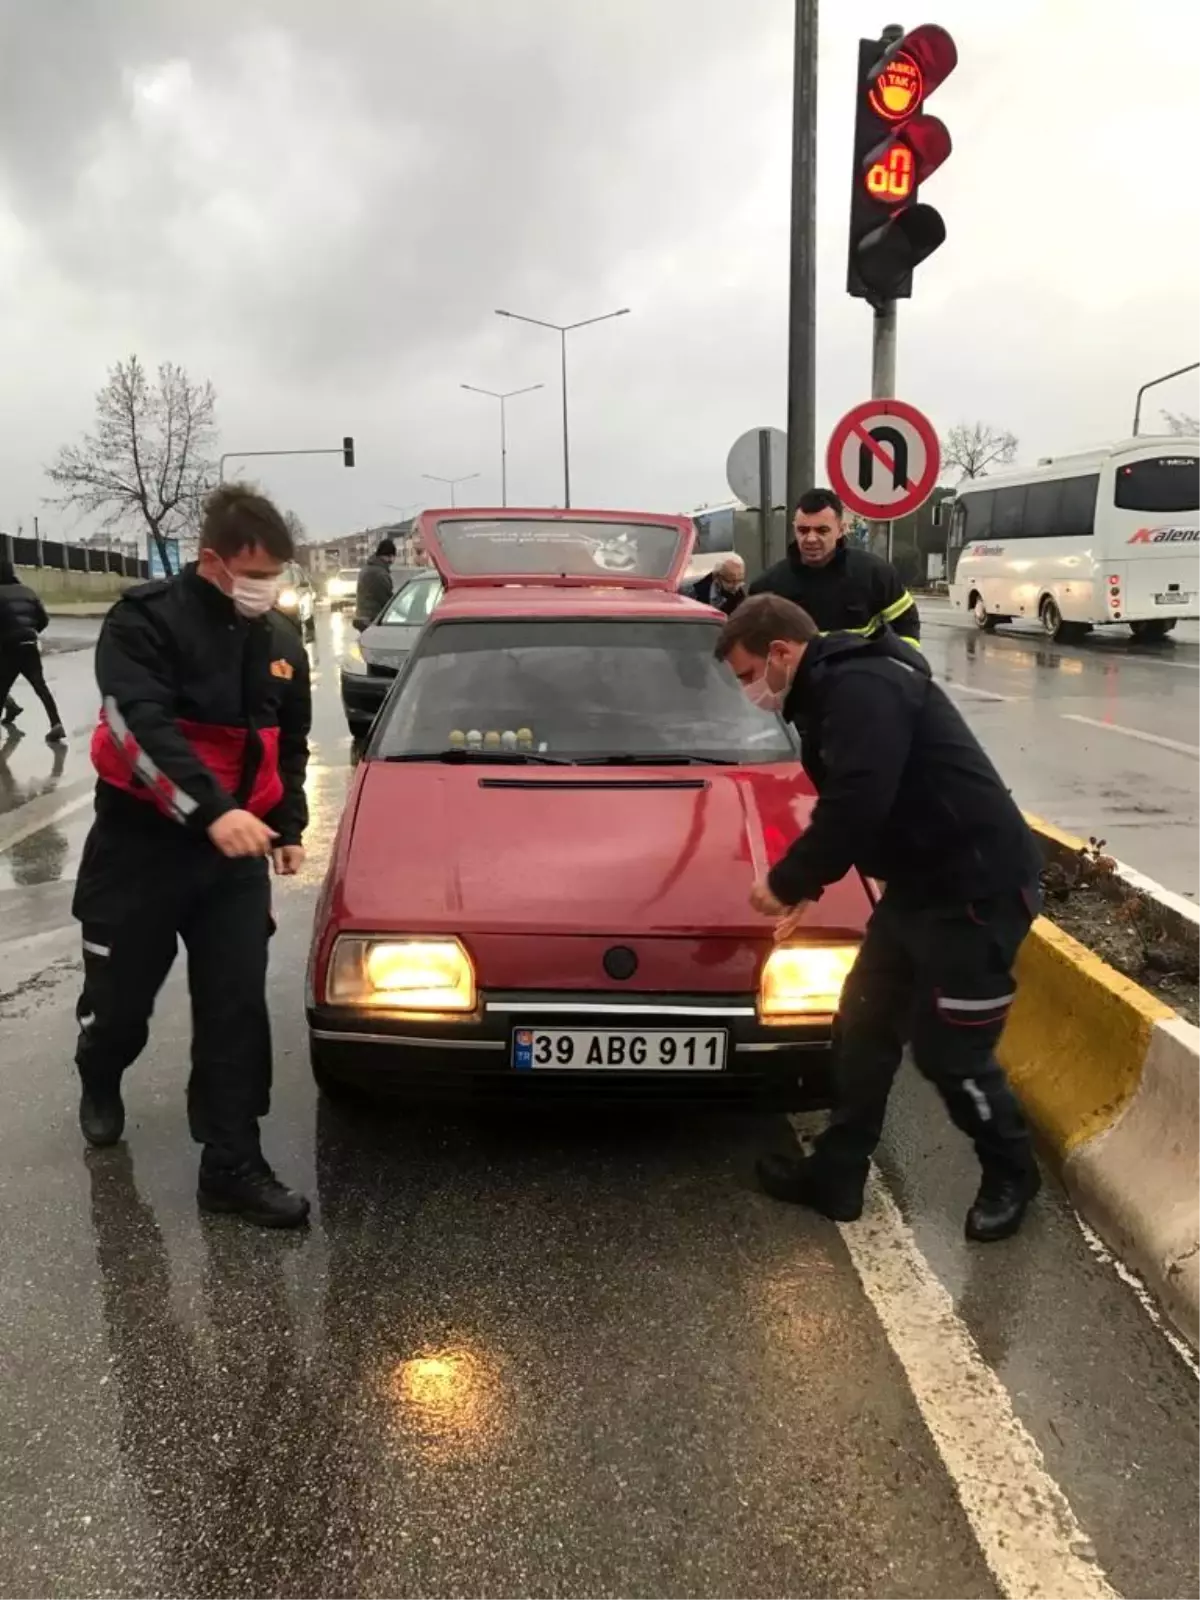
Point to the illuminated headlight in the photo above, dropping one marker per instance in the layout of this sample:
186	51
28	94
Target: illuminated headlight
803	980
433	975
288	600
353	660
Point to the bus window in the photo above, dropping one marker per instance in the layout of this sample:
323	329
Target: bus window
1168	483
1042	509
1077	511
1008	521
978	511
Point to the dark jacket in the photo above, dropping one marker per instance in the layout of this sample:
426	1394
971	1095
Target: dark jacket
374	590
203	711
22	615
905	791
856	592
710	593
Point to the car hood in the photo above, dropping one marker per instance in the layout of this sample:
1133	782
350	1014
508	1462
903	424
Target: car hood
385	646
669	850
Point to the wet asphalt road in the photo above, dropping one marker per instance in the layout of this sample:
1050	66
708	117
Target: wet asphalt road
557	1356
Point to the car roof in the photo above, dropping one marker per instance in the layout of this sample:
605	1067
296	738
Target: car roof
543	601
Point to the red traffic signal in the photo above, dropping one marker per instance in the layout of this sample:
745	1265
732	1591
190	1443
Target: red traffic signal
896	149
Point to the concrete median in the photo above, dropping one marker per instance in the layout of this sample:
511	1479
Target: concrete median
1110	1076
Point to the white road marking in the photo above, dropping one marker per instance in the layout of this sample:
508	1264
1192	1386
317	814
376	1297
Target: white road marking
1021	1519
1144	1298
969	689
1134	733
46	820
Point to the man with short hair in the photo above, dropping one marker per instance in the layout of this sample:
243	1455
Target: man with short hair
840	586
22	618
724	587
200	752
905	795
374	584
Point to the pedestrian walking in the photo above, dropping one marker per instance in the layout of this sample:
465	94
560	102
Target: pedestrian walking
840	586
724	587
22	618
906	795
374	584
200	752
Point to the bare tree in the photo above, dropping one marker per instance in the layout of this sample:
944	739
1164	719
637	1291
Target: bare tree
1179	422
150	459
296	528
973	447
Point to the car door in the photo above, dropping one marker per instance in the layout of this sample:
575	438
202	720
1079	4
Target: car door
386	644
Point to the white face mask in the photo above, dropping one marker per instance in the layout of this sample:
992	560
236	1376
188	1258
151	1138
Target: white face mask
252	597
760	693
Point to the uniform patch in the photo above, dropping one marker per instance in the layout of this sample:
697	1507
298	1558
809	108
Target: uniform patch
282	668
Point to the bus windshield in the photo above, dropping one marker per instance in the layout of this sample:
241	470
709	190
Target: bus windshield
1164	484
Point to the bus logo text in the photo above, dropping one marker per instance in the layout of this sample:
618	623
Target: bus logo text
1165	536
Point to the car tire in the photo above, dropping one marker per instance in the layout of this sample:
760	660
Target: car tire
981	616
1053	625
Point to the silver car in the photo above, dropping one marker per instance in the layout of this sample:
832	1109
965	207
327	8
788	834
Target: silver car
373	657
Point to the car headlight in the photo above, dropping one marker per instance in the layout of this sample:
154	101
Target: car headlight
353	660
803	980
288	600
427	975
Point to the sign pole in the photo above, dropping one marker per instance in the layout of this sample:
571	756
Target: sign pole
766	497
883	380
802	291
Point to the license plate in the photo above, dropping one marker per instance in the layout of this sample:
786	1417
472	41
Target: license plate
618	1050
1174	599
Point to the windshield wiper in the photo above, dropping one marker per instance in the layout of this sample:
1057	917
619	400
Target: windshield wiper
630	758
463	758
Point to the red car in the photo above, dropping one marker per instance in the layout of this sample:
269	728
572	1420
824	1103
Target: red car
540	882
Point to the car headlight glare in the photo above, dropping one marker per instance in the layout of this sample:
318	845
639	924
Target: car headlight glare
288	600
425	975
803	980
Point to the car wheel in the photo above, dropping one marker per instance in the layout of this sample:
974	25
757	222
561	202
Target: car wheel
980	615
1051	618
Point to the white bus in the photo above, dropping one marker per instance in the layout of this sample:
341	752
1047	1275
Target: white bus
1080	542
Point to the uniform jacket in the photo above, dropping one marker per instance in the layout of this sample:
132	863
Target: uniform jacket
203	711
905	792
855	592
22	615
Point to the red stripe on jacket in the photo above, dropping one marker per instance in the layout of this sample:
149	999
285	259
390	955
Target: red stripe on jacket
220	748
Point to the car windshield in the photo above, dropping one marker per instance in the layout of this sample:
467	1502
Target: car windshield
576	691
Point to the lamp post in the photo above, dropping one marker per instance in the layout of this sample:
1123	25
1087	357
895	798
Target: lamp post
453	482
508	394
563	329
1153	384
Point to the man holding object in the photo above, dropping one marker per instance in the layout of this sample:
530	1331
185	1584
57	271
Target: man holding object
907	796
200	751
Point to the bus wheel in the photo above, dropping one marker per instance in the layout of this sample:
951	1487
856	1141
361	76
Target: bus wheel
980	615
1152	631
1051	618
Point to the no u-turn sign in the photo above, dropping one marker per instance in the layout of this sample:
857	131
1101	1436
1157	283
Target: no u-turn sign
883	459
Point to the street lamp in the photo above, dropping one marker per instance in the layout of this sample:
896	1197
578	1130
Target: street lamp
563	329
1153	384
453	482
509	394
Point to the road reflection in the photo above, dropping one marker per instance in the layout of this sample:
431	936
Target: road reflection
42	856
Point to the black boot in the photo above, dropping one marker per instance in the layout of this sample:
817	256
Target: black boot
803	1181
249	1189
101	1114
1001	1204
11	712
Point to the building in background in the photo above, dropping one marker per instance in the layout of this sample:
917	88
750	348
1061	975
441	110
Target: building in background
352	549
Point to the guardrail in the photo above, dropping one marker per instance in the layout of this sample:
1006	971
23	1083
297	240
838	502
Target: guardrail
55	555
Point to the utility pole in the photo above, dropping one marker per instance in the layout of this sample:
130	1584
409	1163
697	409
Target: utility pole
802	300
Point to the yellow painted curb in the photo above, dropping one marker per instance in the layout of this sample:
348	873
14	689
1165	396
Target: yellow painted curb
1076	1037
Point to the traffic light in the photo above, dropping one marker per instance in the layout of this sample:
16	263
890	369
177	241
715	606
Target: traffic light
896	148
348	451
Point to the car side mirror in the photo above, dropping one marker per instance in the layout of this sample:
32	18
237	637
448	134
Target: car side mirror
359	624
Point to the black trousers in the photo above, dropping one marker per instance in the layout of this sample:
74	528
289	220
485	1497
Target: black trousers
941	980
25	661
141	888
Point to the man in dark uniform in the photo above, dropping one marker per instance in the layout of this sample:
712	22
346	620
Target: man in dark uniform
839	586
907	796
374	584
22	618
201	752
724	587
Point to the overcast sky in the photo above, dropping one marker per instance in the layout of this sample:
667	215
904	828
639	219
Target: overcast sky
319	205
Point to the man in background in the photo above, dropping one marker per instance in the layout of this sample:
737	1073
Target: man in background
841	587
374	584
724	587
22	618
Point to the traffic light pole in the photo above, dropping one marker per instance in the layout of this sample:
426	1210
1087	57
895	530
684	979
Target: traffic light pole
883	376
802	317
